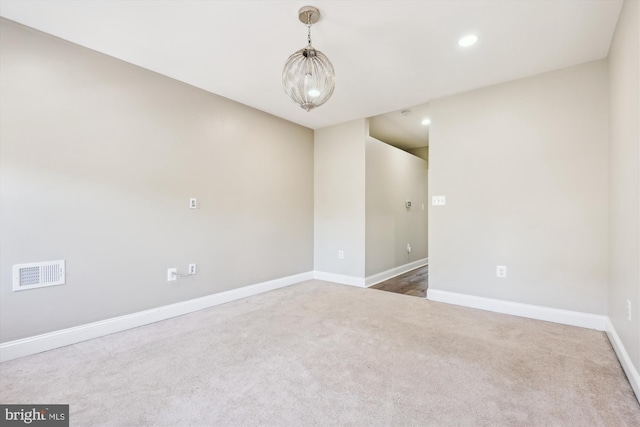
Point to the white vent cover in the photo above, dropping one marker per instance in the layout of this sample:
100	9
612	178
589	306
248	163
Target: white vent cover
38	275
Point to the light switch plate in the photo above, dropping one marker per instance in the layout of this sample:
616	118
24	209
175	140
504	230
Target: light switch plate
438	200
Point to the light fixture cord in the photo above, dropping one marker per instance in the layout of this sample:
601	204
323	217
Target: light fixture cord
309	27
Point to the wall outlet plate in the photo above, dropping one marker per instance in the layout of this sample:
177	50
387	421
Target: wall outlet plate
501	271
193	268
172	274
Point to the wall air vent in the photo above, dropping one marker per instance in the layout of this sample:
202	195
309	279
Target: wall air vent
38	275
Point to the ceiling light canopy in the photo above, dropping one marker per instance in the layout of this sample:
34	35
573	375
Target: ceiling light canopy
308	77
468	40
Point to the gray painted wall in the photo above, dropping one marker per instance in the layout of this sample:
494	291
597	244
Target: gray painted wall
98	161
523	166
394	176
339	167
624	179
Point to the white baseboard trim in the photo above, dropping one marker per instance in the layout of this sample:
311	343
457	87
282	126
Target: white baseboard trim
625	360
339	278
39	343
393	272
566	317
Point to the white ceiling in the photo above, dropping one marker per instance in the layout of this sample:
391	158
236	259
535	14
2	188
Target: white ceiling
387	54
402	128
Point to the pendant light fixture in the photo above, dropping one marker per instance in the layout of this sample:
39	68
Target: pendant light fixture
308	77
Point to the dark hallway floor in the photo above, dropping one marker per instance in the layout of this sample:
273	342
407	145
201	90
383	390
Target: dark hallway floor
414	283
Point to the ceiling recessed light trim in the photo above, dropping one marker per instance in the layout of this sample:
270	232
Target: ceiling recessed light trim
468	40
426	121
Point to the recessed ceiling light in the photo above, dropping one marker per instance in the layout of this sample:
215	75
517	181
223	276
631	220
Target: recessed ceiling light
468	40
426	122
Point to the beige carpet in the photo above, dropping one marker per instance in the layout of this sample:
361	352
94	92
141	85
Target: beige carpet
319	354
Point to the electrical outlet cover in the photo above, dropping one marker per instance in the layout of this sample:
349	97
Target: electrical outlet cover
501	271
